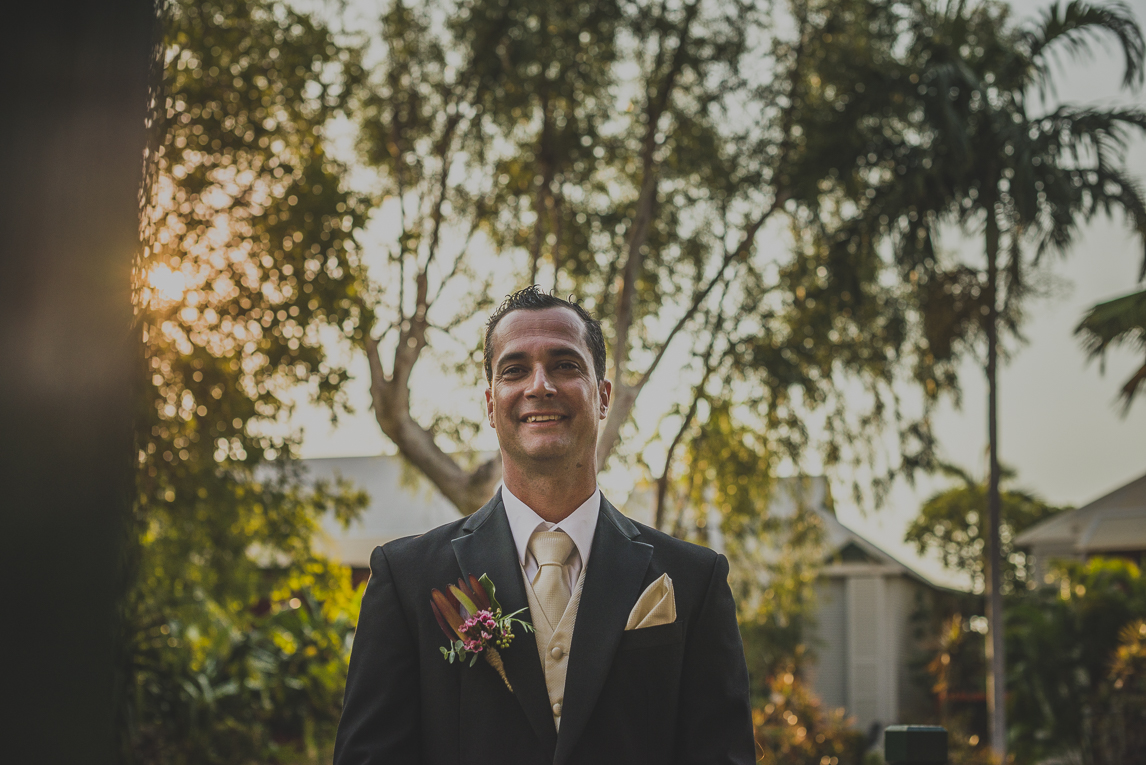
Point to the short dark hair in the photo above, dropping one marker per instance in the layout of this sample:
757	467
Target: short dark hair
533	299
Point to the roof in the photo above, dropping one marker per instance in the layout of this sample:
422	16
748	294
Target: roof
812	493
402	504
1115	521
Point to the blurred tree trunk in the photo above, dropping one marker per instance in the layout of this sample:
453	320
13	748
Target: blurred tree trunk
72	140
996	683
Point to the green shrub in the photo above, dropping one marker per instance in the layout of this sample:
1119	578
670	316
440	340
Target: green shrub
793	728
1074	663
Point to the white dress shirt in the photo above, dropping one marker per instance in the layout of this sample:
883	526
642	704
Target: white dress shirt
579	525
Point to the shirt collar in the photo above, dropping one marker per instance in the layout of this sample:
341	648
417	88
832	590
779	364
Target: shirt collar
579	525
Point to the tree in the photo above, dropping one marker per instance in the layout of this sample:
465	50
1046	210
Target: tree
773	567
1070	643
632	152
957	672
975	154
951	524
237	626
1121	321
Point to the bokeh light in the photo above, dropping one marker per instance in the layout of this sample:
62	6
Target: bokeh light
167	285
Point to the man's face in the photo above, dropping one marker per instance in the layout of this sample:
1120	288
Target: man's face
544	399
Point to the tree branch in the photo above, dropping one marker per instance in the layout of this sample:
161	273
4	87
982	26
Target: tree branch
625	396
646	200
686	423
468	491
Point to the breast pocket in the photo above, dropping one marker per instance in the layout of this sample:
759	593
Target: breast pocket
643	690
651	637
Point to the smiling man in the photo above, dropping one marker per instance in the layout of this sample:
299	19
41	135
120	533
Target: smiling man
635	655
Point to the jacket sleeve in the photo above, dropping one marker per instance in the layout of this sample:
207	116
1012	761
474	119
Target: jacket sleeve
715	714
381	709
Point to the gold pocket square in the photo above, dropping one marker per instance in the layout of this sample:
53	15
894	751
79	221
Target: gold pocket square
656	606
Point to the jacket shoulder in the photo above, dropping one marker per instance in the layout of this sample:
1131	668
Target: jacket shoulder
414	550
679	549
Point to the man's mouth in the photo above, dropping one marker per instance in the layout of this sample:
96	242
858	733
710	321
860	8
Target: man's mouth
543	417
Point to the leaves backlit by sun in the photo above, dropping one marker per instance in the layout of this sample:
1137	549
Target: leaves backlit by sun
166	285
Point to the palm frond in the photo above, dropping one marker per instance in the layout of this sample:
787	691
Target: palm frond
1080	153
1116	322
1072	26
1078	130
1121	321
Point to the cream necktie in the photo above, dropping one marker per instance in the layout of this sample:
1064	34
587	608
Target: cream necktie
551	549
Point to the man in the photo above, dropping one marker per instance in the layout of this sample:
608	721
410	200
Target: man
636	657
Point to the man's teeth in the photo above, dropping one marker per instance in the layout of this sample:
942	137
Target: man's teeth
542	417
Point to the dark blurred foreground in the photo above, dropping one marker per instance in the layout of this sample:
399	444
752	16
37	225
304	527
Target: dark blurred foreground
74	95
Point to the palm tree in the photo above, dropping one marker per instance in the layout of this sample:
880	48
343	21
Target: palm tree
1121	321
975	153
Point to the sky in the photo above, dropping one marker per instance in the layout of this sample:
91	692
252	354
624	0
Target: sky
1060	426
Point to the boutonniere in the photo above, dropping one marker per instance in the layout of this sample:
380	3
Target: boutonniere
474	624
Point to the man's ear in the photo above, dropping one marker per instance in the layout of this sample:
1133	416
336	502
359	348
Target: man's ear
489	406
604	391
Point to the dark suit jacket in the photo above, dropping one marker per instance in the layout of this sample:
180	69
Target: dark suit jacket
676	693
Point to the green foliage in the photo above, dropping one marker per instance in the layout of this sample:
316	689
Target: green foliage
975	151
956	669
793	728
773	559
628	151
633	153
902	119
243	690
1121	321
773	571
956	666
1075	669
1119	733
952	523
1074	663
251	255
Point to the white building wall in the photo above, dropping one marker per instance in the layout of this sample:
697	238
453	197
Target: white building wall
904	600
871	675
864	643
828	673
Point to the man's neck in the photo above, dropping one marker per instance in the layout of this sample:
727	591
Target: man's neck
554	497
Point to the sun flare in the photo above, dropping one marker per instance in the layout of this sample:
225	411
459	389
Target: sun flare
168	285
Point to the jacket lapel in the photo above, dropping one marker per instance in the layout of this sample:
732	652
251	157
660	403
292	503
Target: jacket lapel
613	580
486	547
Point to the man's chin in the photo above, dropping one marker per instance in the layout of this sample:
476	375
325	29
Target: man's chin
539	452
546	453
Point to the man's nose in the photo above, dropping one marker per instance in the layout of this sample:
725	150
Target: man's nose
539	384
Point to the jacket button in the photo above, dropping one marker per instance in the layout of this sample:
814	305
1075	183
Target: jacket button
557	652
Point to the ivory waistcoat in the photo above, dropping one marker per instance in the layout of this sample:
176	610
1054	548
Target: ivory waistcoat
553	643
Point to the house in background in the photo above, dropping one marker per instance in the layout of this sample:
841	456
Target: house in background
402	504
1113	525
868	633
865	638
874	623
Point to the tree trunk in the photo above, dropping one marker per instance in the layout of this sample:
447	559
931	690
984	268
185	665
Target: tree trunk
467	490
75	100
996	708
